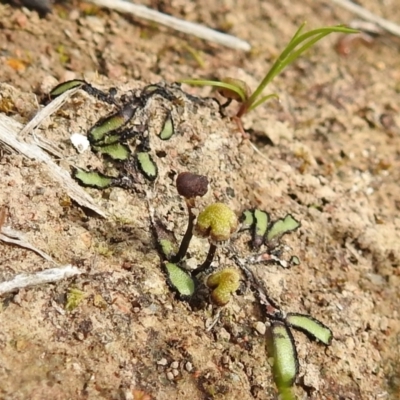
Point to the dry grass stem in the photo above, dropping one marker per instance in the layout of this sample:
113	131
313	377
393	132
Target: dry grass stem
47	276
186	27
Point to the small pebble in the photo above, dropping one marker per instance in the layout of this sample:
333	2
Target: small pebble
175	364
80	142
225	360
170	375
163	362
175	372
260	327
48	83
189	366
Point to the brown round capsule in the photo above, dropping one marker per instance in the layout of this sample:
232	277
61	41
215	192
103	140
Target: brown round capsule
191	185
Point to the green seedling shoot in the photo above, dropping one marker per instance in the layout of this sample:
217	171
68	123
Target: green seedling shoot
237	90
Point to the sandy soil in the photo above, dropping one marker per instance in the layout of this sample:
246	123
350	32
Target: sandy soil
334	165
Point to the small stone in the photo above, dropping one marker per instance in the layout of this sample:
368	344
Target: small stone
189	366
80	142
47	84
128	395
170	375
162	362
260	327
175	364
384	324
175	372
225	360
95	24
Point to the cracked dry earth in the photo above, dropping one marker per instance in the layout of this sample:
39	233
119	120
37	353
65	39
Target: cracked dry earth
334	166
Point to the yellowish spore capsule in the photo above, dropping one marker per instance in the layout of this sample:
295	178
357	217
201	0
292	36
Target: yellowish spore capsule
224	283
217	221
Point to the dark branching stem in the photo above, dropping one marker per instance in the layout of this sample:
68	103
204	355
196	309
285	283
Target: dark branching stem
209	259
270	307
188	234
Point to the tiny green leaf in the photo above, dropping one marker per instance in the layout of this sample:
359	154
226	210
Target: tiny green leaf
167	247
294	260
165	238
150	89
223	85
168	128
282	226
116	151
286	364
147	166
109	139
109	124
260	227
92	179
263	100
63	87
224	283
311	327
180	280
247	220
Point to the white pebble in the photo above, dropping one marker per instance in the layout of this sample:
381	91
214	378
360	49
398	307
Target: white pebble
80	142
163	362
175	364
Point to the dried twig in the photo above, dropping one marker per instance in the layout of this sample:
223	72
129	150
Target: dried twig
3	217
9	129
9	235
45	112
189	28
47	276
369	16
12	236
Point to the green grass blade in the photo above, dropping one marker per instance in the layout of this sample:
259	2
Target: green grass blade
290	54
201	82
296	54
297	34
264	99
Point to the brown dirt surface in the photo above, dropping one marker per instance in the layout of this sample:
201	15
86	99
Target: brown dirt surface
334	165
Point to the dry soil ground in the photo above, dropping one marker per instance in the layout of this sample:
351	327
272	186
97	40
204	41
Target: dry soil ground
334	165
